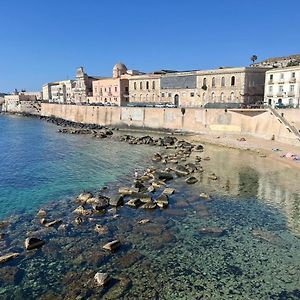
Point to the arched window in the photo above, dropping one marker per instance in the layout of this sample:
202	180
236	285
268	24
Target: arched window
134	85
203	97
141	97
146	97
222	97
204	82
213	82
153	85
232	81
223	81
141	85
213	97
147	85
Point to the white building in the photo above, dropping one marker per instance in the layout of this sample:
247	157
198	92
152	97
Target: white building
59	91
282	87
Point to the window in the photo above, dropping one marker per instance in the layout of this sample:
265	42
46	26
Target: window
104	89
141	85
213	96
203	96
223	81
169	95
232	81
192	94
281	88
116	89
213	82
271	76
204	82
222	96
293	74
270	89
281	76
109	89
101	91
232	96
162	95
292	88
96	90
134	85
147	85
126	89
153	85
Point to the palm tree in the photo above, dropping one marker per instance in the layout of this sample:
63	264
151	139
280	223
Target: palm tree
254	58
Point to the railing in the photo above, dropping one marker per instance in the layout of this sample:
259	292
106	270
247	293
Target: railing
292	80
282	120
291	94
270	81
279	94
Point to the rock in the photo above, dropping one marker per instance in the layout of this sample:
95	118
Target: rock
212	176
83	197
191	180
168	191
78	220
206	158
136	202
242	139
101	229
164	176
157	157
204	196
162	201
53	223
8	257
112	246
149	205
33	243
100	203
128	191
102	278
214	231
181	171
191	167
145	198
265	235
116	200
41	213
143	221
80	210
118	289
198	148
151	189
156	185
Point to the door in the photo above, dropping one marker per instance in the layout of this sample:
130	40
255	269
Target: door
176	100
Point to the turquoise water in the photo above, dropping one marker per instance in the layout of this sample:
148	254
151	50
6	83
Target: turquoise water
255	201
38	164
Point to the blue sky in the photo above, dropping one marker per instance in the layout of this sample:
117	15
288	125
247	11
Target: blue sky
42	41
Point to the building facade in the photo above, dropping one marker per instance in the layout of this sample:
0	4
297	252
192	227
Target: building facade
198	88
282	87
59	91
113	91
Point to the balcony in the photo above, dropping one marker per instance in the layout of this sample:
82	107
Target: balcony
281	81
280	94
271	81
292	80
270	95
291	94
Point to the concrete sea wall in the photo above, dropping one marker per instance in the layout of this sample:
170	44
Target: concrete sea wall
258	123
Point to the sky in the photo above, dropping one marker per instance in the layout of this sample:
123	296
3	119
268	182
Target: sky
43	41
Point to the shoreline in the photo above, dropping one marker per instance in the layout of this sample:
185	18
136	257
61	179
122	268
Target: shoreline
259	146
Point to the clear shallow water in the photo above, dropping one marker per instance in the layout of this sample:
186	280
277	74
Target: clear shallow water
38	164
258	256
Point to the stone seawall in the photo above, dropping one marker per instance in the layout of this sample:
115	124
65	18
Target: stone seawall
259	123
22	107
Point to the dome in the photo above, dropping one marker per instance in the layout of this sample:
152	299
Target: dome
119	69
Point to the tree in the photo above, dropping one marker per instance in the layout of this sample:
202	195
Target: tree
254	58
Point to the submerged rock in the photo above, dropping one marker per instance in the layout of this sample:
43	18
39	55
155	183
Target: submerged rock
128	190
164	176
265	235
101	278
162	201
168	191
214	231
112	246
149	205
143	221
8	257
204	196
33	243
191	180
181	171
101	229
136	202
116	200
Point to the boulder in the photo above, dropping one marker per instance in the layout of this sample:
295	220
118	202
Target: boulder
8	257
212	177
191	180
151	189
78	220
116	200
101	278
41	213
204	196
149	205
33	243
181	171
112	246
100	203
83	197
136	202
168	191
162	201
128	190
101	229
53	223
143	221
164	176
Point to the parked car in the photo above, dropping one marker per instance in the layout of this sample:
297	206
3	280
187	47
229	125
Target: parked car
171	105
280	105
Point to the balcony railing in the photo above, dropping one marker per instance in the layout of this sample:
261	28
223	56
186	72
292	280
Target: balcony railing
292	80
291	94
270	81
280	81
269	94
279	94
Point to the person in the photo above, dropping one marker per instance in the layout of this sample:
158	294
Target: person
136	174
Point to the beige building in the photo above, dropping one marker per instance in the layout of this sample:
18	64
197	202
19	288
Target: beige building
59	91
198	88
115	90
282	87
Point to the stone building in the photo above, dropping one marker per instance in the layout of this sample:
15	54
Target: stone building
282	87
59	91
200	87
114	90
